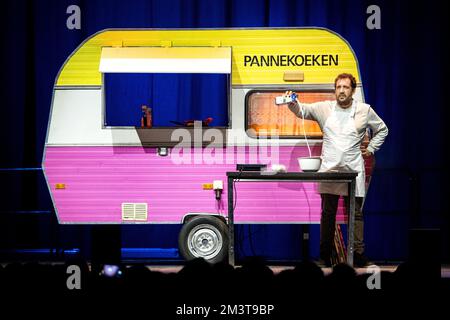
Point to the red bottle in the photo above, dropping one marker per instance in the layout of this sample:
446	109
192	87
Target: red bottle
146	119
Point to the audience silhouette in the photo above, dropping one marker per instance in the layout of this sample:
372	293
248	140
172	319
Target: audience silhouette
299	290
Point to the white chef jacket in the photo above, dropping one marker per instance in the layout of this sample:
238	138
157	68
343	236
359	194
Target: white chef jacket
343	131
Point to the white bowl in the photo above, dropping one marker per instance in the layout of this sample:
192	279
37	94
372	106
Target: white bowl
309	164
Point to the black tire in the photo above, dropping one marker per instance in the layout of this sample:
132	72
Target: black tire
204	237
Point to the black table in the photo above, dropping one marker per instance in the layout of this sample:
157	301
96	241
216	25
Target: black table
256	176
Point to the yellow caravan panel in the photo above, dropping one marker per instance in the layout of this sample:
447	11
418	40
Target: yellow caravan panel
259	56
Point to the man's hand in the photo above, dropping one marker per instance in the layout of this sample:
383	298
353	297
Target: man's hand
290	104
365	152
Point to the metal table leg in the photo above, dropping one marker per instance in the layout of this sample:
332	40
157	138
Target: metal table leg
351	222
230	222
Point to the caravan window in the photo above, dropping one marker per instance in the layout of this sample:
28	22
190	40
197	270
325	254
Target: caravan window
268	119
174	98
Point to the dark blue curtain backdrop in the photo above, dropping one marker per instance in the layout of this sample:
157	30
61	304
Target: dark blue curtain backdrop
172	97
403	71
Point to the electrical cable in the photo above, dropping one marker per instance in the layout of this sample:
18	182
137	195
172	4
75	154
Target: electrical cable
303	125
234	189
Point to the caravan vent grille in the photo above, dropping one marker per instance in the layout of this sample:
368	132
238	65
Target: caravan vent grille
140	211
134	211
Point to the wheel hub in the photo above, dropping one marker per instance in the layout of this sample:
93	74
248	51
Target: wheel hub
205	241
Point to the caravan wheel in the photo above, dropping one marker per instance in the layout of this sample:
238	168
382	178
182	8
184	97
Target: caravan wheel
204	237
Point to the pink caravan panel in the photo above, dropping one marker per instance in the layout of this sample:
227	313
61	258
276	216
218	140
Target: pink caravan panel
99	179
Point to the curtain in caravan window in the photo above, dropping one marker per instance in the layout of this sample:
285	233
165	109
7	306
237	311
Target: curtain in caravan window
266	118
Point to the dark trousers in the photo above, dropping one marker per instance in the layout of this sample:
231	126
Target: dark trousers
328	224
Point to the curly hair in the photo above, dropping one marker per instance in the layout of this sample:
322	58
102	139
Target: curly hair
346	76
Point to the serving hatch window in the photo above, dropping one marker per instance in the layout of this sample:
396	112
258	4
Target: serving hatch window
173	98
179	84
266	118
